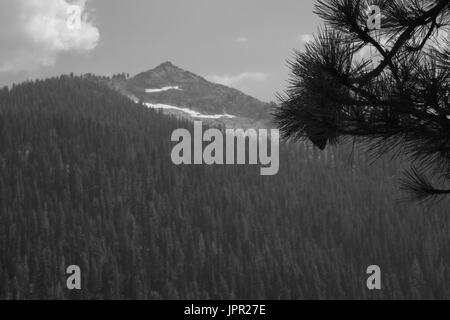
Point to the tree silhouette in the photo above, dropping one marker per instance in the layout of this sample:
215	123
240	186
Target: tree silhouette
386	86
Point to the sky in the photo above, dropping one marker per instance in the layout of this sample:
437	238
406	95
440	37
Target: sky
240	43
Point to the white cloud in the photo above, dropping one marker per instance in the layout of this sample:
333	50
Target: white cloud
236	80
34	32
305	38
242	39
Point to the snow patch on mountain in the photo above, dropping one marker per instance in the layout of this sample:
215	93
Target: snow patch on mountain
192	113
162	89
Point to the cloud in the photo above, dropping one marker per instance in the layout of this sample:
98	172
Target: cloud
34	32
236	80
242	39
305	38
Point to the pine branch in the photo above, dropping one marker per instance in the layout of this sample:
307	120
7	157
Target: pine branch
400	105
420	187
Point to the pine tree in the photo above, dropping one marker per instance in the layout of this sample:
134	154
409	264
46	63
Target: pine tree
386	85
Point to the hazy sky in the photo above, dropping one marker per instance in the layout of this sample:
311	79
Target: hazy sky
241	43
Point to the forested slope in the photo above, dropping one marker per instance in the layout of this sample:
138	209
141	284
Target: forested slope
86	179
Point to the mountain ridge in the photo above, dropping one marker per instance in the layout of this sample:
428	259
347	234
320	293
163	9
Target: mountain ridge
177	88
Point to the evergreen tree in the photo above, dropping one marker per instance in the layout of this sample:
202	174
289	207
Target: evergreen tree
381	77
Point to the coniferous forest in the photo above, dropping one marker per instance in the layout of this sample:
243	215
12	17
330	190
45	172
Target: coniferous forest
86	179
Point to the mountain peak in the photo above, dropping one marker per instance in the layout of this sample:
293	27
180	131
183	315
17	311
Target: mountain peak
170	85
166	64
167	67
166	74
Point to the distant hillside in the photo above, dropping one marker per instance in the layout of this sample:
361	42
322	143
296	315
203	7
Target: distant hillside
171	86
